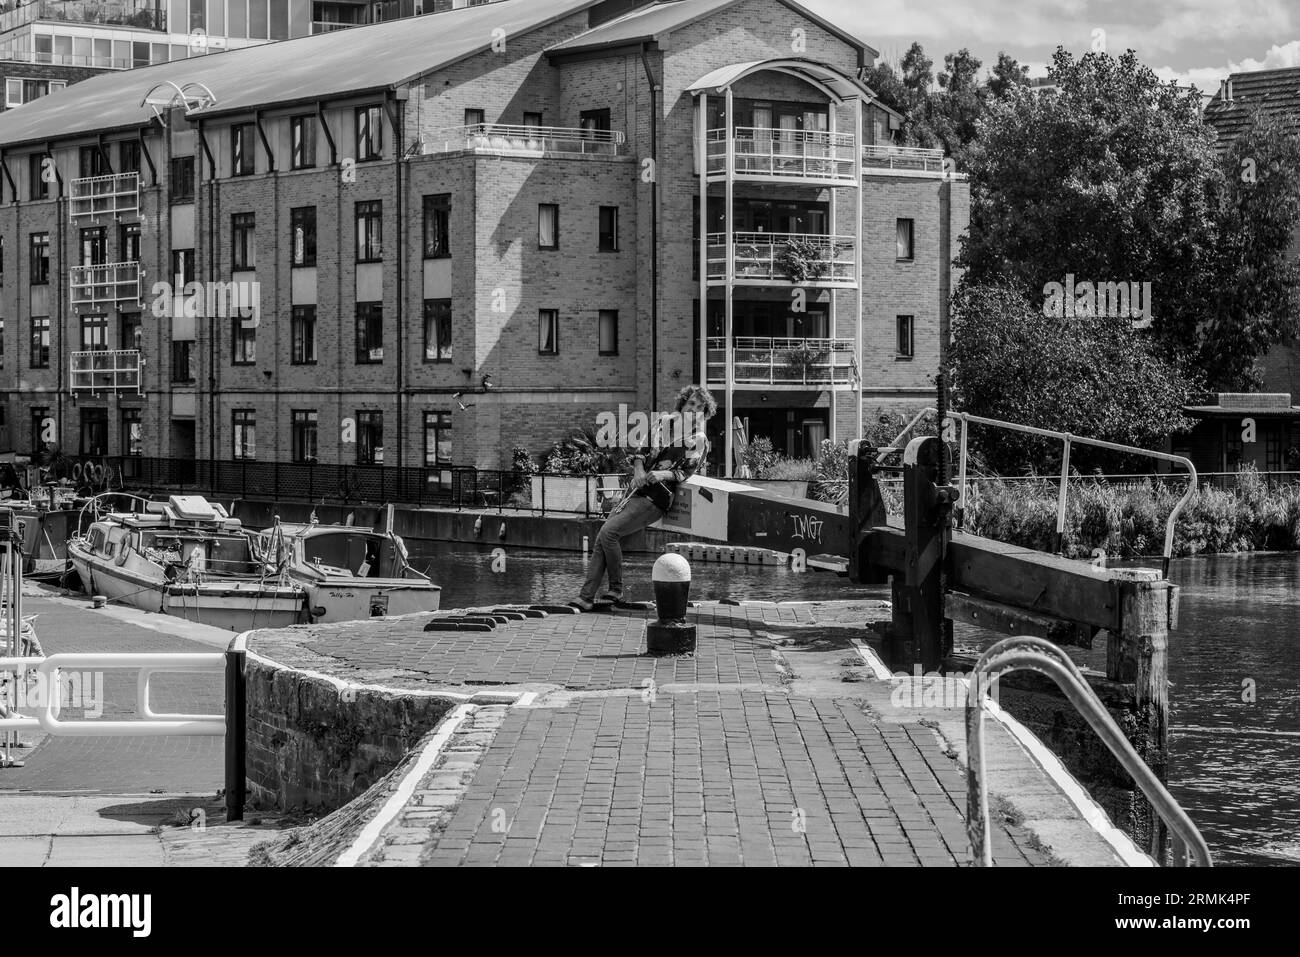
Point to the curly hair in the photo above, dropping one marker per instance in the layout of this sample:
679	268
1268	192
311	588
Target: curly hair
708	404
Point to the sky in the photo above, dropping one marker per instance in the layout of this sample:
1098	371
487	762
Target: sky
1191	41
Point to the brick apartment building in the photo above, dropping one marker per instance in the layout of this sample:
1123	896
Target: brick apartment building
471	231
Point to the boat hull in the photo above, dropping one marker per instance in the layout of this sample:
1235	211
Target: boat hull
352	599
233	605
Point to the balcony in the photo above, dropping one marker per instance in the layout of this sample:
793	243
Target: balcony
788	363
804	259
496	138
140	14
106	285
329	26
908	159
106	370
784	155
117	194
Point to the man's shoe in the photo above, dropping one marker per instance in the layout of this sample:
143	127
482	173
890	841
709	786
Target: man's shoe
583	603
614	596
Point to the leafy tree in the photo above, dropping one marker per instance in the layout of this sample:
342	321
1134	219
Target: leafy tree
1096	377
1006	77
956	112
1115	178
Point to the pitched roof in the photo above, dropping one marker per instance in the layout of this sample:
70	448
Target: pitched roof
322	66
665	16
1276	92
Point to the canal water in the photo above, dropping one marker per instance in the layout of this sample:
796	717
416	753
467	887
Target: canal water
1234	665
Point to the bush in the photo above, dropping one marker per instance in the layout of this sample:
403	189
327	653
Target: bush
790	470
759	456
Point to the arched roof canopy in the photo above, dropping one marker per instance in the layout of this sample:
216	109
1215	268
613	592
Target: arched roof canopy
838	86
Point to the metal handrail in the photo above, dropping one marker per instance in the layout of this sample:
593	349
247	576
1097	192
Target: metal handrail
1030	653
761	252
530	138
966	419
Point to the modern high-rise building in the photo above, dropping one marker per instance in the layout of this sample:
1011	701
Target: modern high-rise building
471	232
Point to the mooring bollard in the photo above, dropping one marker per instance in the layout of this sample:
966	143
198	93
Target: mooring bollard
670	634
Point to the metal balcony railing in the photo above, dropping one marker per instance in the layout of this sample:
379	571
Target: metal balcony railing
106	370
105	285
116	194
329	26
141	14
912	158
495	137
808	259
784	154
783	362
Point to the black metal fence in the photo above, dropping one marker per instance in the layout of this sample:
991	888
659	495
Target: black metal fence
450	486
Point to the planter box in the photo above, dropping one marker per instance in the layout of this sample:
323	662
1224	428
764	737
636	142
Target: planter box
582	494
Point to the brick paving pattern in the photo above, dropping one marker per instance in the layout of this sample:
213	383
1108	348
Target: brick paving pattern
723	778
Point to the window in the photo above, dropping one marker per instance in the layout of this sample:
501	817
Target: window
243	160
303	428
40	342
94	431
437	224
182	268
128	242
437	330
40	258
132	432
94	333
39	187
594	121
180	180
370	134
2	343
607	332
370	438
303	331
532	120
370	332
437	438
370	232
548	332
92	162
548	226
302	147
94	247
904	348
39	415
609	229
243	241
182	360
302	235
243	343
130	334
128	156
19	90
474	117
244	426
905	239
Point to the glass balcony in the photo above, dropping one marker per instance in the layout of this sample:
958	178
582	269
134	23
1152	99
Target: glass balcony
106	370
795	363
117	194
495	137
908	158
804	259
762	153
105	285
140	14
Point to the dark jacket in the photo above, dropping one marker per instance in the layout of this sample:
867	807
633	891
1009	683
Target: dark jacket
683	458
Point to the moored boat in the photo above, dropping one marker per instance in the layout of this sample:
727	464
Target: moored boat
349	572
186	557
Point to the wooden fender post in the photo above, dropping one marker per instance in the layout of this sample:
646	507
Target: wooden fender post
1139	655
927	509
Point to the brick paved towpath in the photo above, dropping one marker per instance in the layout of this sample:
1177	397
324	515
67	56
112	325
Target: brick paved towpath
774	744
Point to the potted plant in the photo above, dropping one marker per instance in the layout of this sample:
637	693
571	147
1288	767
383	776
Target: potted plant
802	260
802	358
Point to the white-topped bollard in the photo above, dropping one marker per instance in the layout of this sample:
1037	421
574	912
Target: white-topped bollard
670	634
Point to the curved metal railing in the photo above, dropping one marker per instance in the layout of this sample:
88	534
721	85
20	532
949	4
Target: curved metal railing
1024	652
966	419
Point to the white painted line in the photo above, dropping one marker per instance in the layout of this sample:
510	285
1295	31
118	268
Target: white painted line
398	799
525	699
873	661
1091	812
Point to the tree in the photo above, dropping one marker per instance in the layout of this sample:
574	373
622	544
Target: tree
1097	377
956	111
1006	77
909	94
1115	179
